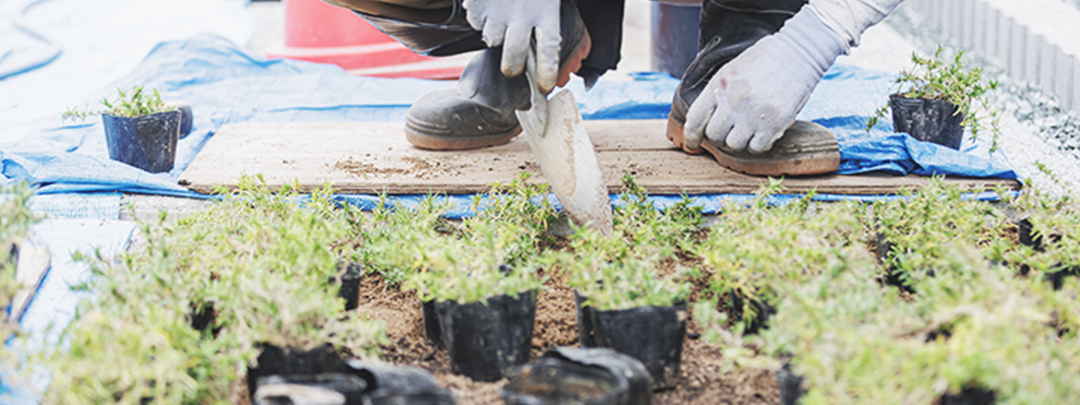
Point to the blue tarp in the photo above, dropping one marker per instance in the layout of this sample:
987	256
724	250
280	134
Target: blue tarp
225	84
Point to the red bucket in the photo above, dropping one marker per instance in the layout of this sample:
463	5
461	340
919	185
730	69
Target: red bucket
321	33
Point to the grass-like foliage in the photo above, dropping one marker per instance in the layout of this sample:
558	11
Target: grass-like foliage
974	321
134	102
937	77
621	271
261	259
925	230
771	280
15	221
493	253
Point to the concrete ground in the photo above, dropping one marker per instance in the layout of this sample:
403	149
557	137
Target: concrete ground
885	47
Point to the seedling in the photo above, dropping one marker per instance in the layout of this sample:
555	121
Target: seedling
937	78
134	102
262	258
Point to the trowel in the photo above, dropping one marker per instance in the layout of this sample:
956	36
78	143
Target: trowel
557	136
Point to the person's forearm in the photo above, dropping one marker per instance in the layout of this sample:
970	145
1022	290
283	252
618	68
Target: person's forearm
849	18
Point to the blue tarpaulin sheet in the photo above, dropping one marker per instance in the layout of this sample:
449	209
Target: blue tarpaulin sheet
225	84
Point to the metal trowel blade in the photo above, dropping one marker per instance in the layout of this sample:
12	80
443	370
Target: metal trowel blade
558	139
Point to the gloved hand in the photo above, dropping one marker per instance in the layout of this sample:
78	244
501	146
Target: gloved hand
755	97
510	23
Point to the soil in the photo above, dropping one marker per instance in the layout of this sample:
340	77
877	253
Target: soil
420	168
701	382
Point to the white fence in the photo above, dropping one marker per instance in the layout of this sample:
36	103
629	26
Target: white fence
1033	40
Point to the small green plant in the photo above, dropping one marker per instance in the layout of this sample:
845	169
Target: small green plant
263	258
472	266
16	218
926	228
631	283
134	102
935	77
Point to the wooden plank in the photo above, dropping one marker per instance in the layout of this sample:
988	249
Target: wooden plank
30	269
375	157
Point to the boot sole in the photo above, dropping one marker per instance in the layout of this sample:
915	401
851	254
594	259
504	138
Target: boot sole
435	142
417	136
805	149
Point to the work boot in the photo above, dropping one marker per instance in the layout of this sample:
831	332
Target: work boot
479	112
728	27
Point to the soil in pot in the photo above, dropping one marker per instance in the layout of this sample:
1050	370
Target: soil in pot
970	396
580	376
485	340
147	142
928	120
652	335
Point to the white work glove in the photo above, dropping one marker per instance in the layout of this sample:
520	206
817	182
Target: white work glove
509	23
755	97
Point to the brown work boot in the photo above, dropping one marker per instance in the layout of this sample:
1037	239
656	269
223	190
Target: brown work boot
728	27
479	112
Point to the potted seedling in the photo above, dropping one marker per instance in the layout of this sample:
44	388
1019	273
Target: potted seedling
921	234
938	98
140	129
624	305
484	307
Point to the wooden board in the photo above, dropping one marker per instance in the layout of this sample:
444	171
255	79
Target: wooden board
375	157
30	269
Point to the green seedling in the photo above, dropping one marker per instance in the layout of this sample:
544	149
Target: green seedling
134	102
937	78
926	228
262	257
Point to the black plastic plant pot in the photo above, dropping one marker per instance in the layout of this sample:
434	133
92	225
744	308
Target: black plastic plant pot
486	340
652	335
928	120
580	376
970	396
350	285
1028	237
432	330
309	388
396	385
791	388
203	316
893	276
884	248
284	361
764	312
147	142
187	119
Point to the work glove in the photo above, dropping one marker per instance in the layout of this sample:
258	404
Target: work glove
510	23
755	97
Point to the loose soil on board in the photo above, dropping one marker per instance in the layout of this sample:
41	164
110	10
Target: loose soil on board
702	381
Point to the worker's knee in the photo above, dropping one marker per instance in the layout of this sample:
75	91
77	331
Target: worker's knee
421	11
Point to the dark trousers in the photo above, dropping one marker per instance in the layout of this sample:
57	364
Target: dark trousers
439	27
